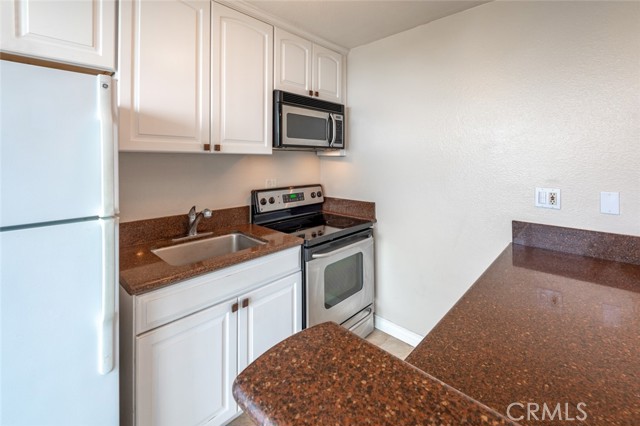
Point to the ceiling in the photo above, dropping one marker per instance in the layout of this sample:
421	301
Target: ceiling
351	23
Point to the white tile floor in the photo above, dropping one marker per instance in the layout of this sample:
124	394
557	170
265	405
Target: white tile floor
382	340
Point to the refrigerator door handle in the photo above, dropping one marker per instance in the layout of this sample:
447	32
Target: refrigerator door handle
107	142
106	329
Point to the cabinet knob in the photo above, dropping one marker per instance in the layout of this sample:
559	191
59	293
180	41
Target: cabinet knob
317	94
310	92
234	307
217	148
207	147
245	303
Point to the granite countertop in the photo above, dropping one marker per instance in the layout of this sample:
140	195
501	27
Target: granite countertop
142	271
327	375
539	328
544	327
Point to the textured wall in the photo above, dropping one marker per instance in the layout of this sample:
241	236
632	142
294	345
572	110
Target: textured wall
454	123
156	185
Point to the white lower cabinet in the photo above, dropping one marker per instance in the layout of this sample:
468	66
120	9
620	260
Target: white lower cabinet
272	314
183	345
184	370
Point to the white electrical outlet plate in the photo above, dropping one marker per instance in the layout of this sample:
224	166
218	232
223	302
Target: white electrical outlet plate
610	202
548	198
270	183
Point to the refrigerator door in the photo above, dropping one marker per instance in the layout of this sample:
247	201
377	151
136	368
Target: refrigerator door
56	145
58	319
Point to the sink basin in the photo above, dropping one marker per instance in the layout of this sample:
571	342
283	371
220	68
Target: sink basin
196	251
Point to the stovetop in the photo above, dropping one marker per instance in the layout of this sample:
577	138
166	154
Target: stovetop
320	227
297	210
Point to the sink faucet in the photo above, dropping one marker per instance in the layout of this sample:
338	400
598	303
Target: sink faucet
194	219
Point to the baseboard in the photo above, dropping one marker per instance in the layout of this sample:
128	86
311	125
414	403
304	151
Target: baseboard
396	331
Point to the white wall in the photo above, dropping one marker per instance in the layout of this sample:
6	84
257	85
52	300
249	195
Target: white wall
156	185
454	123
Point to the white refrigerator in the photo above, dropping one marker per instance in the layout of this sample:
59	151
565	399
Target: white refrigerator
58	248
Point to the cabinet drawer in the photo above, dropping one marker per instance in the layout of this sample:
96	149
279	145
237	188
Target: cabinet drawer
170	303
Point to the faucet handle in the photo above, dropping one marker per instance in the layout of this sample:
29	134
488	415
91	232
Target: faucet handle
192	214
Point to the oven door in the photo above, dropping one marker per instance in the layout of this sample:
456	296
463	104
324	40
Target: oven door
339	280
305	127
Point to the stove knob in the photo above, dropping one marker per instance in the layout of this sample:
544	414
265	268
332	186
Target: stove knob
263	201
272	200
319	194
313	195
320	233
313	234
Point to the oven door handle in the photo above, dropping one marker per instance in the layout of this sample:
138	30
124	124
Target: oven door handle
340	250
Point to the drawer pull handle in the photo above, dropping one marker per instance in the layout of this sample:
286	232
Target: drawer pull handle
234	307
245	303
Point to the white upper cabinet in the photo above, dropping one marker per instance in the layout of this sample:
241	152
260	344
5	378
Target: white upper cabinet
292	63
78	32
327	74
307	68
197	76
164	75
242	80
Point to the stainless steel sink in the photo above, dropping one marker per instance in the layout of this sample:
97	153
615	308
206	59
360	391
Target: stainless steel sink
196	251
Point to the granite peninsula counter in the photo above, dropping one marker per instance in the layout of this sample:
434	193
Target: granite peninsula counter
540	328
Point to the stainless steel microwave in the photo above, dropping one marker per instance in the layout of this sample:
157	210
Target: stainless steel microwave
302	123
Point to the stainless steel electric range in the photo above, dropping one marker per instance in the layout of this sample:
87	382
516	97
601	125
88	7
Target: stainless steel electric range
337	255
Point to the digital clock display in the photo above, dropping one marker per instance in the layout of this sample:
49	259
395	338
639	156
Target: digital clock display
297	196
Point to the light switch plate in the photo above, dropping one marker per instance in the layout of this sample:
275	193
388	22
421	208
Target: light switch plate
610	202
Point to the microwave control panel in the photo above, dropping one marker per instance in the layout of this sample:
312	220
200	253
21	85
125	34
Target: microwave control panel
269	200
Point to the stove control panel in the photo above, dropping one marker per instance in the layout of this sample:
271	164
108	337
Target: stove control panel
269	200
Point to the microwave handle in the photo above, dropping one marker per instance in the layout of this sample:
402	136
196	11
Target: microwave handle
333	130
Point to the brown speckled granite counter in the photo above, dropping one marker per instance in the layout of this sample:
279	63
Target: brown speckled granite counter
342	206
326	376
546	327
601	245
142	271
538	327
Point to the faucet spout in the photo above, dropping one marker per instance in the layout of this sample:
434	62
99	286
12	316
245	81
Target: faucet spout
193	223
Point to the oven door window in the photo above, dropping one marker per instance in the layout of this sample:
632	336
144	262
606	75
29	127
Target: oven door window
343	279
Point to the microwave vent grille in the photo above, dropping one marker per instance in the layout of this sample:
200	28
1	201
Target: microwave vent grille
294	99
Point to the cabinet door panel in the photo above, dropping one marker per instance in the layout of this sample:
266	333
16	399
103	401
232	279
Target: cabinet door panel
164	83
327	68
185	370
292	63
242	72
273	313
68	31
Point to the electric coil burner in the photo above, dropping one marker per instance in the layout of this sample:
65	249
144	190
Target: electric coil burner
338	270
